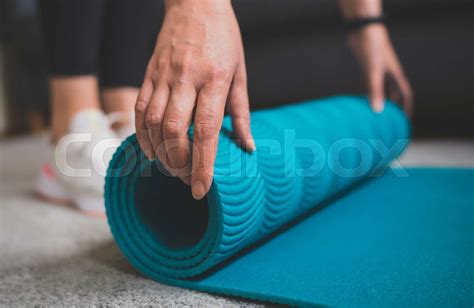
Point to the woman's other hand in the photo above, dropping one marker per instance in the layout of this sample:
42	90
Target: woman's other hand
381	67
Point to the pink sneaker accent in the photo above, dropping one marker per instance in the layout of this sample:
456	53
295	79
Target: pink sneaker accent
48	187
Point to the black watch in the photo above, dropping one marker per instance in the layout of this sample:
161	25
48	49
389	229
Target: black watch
360	22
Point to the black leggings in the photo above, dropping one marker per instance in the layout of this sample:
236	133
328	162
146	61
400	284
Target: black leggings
112	39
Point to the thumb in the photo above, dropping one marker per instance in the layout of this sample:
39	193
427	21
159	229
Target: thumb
376	91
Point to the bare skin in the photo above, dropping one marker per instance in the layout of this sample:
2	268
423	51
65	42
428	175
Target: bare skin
69	95
378	60
198	69
122	100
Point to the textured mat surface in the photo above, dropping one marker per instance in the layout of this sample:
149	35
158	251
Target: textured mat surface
306	154
402	242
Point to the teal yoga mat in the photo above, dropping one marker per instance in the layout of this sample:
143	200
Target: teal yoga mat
311	217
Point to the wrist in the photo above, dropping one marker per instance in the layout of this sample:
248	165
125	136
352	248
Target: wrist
370	29
356	24
373	32
207	4
351	9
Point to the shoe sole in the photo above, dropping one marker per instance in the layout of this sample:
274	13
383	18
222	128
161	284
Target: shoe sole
68	204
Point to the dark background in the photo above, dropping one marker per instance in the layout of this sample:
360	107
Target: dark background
295	50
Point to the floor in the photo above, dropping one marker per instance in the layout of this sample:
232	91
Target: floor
55	256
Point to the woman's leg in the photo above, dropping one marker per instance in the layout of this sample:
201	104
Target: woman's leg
120	99
129	36
69	96
72	36
72	31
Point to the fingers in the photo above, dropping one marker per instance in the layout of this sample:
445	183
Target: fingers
376	91
405	93
154	120
239	111
176	123
141	107
391	89
407	97
207	123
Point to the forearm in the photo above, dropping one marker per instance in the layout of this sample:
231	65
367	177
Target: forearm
374	51
352	9
215	4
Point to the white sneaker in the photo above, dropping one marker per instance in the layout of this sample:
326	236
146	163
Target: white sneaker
76	173
49	188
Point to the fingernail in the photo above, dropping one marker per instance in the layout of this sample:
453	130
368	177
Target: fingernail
379	106
252	145
198	190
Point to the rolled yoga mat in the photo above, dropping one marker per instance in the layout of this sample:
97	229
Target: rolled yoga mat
297	221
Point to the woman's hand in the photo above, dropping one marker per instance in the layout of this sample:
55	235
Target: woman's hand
196	70
381	67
